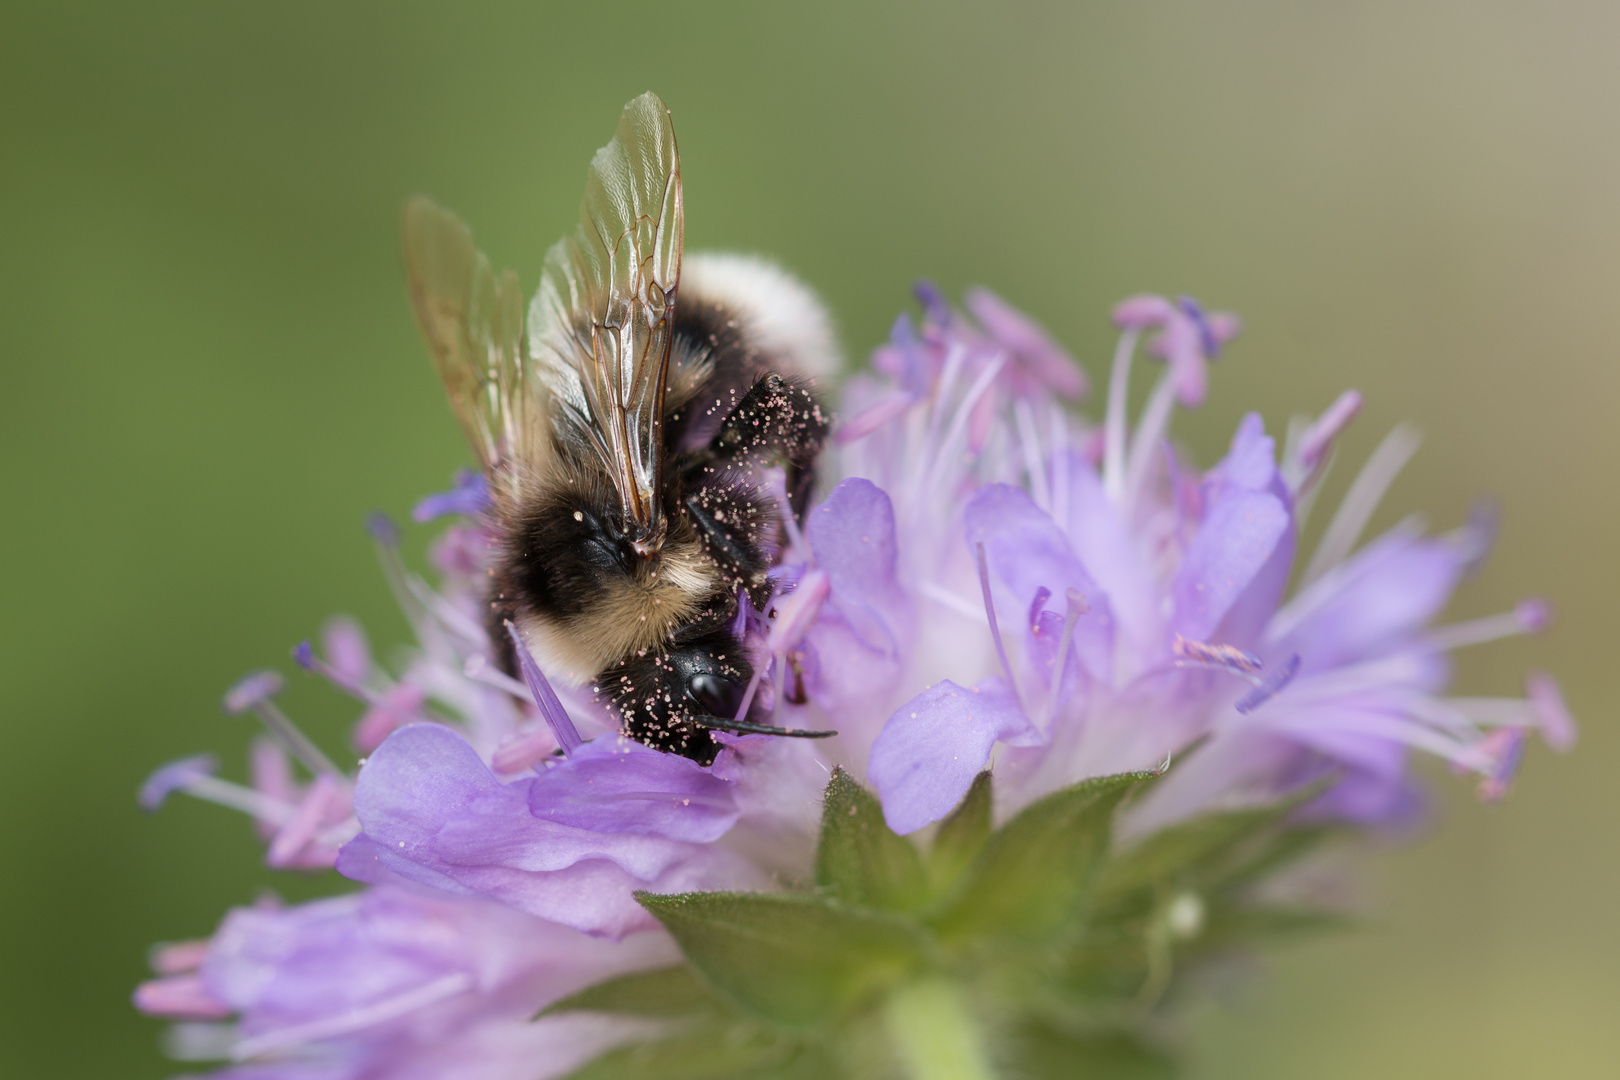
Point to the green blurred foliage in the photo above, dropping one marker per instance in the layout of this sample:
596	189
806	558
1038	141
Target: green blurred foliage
210	374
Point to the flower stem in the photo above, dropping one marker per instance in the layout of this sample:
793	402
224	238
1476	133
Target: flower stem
935	1035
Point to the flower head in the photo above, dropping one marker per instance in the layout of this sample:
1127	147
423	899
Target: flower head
992	583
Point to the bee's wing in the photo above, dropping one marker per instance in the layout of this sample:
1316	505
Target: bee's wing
473	321
599	328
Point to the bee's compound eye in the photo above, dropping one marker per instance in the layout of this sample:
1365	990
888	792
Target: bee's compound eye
715	695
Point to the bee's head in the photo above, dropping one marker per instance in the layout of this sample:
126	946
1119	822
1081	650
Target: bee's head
711	677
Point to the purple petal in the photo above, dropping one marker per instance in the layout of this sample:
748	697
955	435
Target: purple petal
1028	552
434	814
545	698
1374	602
617	785
1041	357
1243	548
174	776
1105	545
469	498
1250	463
852	536
930	750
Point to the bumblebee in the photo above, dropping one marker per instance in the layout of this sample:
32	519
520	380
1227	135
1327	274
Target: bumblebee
630	428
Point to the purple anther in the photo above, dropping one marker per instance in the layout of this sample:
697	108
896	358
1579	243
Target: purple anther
469	498
1269	688
252	690
1208	343
1533	615
544	696
180	997
175	776
1557	723
1230	658
303	655
1504	749
382	528
178	957
995	628
1036	606
1320	436
1078	604
936	308
1142	312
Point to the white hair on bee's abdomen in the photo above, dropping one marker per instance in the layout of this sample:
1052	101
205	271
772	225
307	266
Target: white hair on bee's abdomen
778	313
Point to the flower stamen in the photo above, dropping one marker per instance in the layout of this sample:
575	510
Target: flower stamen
995	628
1366	492
1529	617
254	693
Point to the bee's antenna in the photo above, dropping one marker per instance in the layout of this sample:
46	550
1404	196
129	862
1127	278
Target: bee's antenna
743	727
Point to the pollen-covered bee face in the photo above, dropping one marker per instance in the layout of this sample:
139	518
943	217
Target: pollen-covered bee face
673	698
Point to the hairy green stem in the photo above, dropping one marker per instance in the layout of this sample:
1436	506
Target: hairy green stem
935	1035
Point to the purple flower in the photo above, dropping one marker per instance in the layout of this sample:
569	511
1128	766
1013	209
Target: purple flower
994	582
383	982
1174	625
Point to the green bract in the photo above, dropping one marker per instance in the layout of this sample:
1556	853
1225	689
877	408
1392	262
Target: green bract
1030	951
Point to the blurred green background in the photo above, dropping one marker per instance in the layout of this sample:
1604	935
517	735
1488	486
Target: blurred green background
210	374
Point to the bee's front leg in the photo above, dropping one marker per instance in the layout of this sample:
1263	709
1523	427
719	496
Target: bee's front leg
778	422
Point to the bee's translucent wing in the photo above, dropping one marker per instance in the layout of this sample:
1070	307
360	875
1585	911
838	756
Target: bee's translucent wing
599	328
473	321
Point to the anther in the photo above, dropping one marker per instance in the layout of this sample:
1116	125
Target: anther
1269	688
1552	715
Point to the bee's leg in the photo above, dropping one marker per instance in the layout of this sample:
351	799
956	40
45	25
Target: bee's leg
732	517
778	422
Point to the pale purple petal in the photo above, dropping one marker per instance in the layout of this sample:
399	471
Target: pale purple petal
469	497
1233	544
1373	602
434	814
852	537
1028	552
618	785
930	750
1104	545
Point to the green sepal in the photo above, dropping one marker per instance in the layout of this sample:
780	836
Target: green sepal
860	860
789	958
1212	852
1040	1051
664	993
704	1052
961	835
1031	877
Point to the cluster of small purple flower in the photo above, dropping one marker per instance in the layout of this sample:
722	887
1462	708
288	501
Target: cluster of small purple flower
995	583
